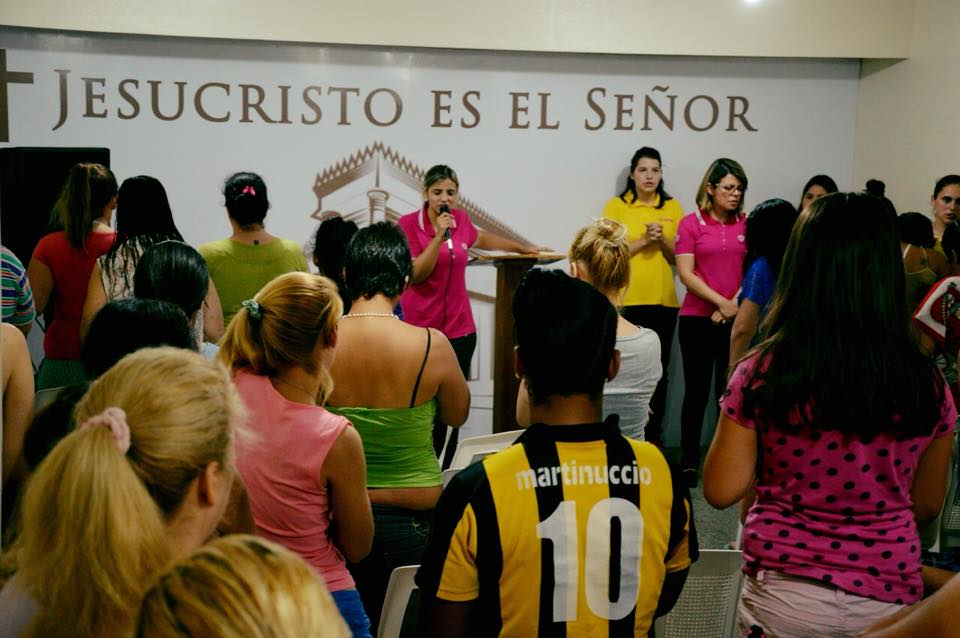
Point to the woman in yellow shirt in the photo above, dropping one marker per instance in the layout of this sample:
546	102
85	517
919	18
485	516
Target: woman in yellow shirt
651	217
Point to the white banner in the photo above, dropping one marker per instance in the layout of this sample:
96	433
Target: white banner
539	141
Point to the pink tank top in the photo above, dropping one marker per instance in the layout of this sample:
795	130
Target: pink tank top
280	466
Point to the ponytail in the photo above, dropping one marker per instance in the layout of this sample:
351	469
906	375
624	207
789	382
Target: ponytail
93	531
96	537
281	325
87	191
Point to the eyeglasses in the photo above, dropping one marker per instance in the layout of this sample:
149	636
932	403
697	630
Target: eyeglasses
730	188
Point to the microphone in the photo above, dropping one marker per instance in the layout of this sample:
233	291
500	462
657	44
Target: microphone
446	231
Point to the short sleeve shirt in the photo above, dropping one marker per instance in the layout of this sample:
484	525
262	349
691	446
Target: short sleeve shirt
240	270
651	276
17	295
440	301
758	283
565	485
835	508
718	250
71	273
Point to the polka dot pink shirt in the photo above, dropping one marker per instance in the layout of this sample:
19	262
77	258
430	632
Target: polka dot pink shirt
832	507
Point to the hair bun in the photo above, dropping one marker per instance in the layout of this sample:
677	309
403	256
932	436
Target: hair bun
876	187
609	231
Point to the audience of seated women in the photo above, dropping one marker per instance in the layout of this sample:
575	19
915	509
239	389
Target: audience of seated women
143	480
390	380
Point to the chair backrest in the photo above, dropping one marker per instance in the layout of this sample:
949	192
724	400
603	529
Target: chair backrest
475	448
447	475
43	398
707	607
399	588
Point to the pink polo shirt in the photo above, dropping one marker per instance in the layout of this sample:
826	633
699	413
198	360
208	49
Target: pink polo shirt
440	301
718	250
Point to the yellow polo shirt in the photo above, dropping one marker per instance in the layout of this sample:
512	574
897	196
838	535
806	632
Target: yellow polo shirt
651	276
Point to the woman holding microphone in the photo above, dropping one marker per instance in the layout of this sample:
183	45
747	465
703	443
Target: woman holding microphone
440	237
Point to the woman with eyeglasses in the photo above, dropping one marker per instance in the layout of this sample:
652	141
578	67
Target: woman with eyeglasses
709	252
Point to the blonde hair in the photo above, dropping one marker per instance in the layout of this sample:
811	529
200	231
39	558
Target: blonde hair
280	328
93	532
601	248
240	587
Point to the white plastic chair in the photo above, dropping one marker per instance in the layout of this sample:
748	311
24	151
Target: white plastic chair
476	447
43	398
399	588
707	607
448	474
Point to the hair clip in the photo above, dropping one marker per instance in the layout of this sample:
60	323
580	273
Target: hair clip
115	420
249	190
253	307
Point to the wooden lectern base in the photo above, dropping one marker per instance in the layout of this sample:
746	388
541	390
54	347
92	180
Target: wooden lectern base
510	270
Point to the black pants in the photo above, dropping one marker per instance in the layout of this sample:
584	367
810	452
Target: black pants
705	347
463	347
663	321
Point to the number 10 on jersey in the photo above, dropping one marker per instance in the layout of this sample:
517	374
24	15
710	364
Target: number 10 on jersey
560	528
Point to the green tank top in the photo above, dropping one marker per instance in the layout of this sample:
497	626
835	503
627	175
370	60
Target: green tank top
397	444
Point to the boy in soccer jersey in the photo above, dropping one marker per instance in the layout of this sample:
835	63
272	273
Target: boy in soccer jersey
575	530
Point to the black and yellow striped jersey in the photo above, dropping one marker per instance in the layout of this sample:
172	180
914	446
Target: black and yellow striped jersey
570	531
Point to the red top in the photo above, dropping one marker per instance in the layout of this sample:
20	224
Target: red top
440	301
70	269
718	250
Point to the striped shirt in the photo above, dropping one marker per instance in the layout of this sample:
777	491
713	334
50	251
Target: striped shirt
571	531
17	296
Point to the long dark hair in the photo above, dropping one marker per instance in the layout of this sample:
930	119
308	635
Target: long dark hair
175	272
823	181
143	219
649	153
768	229
330	249
840	354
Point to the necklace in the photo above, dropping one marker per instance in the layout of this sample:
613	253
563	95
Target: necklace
296	387
370	314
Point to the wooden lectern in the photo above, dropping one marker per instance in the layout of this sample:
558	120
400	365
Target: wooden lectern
510	270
